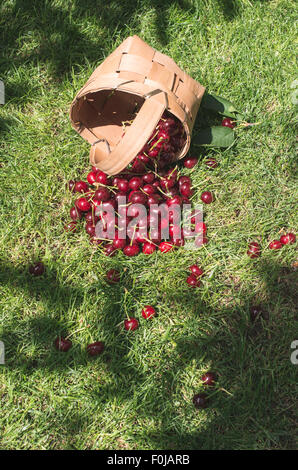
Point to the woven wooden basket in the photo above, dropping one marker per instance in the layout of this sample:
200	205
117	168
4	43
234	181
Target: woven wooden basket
137	83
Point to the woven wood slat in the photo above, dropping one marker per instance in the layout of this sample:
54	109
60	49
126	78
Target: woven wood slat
134	76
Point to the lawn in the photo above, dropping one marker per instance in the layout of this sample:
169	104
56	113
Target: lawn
138	394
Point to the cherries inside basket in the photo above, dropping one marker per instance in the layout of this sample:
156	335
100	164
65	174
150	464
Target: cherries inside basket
165	143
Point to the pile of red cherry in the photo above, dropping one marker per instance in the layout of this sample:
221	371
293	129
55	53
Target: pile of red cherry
147	182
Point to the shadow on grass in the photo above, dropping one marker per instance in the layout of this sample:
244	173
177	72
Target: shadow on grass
235	347
44	33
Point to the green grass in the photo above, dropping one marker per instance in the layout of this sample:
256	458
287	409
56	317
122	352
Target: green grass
138	394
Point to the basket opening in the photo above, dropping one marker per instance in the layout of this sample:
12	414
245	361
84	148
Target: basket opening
104	112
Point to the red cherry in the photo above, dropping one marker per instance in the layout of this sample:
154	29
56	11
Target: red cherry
131	324
148	248
102	194
101	177
119	243
199	241
207	197
71	185
91	217
193	281
165	246
275	245
195	270
184	179
91	177
123	185
135	183
209	379
94	349
37	269
176	200
75	213
227	122
71	226
200	227
153	199
148	312
148	178
113	276
185	190
200	400
153	153
149	189
109	250
291	237
138	198
82	204
190	162
62	344
211	163
254	250
255	312
287	239
131	250
90	229
80	187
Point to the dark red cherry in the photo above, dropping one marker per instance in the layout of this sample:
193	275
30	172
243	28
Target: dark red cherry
90	229
71	226
195	270
184	179
138	198
193	281
135	183
149	189
190	162
164	247
95	349
148	312
254	250
37	269
148	178
102	194
287	239
131	250
82	204
200	400
174	200
209	379
185	190
211	163
101	177
227	122
148	248
109	250
255	312
91	177
131	324
75	213
71	185
62	344
207	197
81	187
119	243
275	245
123	185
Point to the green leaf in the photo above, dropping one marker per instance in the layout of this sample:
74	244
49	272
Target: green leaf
221	106
216	136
